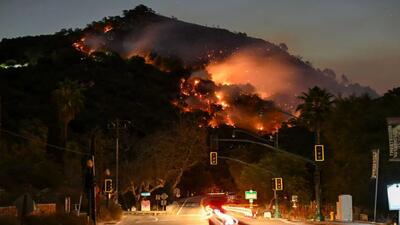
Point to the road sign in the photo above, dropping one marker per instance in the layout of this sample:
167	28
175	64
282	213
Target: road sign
158	197
375	163
295	199
277	184
394	138
164	196
145	194
145	205
250	195
163	202
213	158
108	186
319	153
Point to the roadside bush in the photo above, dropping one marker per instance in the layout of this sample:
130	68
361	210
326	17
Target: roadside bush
56	219
112	212
7	220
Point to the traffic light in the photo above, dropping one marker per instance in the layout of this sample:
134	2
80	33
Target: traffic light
277	184
319	153
213	158
108	186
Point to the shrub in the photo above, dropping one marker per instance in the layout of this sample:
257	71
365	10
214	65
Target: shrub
7	220
112	212
56	219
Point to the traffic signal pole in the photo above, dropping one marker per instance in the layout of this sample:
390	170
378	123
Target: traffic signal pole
277	213
317	175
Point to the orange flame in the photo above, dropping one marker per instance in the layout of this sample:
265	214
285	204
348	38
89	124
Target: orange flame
108	28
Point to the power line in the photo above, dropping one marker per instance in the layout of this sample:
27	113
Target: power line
37	140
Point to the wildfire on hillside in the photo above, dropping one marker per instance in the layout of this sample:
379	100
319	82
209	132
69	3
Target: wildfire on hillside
224	91
88	44
232	105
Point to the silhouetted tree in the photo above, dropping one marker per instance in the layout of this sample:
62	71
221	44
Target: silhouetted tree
316	105
69	100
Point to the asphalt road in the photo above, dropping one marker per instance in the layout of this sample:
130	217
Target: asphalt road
189	213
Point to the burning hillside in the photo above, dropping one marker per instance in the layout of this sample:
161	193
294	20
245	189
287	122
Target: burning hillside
233	105
240	81
223	99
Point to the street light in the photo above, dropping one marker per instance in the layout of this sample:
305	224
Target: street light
117	125
316	171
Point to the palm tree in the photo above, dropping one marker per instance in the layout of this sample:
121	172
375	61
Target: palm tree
69	100
317	103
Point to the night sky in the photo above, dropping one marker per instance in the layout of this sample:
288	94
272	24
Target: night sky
358	38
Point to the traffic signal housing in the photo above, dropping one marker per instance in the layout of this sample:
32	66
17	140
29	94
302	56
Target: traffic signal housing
277	184
108	186
213	158
319	153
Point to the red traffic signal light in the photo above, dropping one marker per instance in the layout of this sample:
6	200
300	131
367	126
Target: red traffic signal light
319	153
213	158
108	186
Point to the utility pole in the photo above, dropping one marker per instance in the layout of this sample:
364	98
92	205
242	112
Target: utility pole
90	180
117	124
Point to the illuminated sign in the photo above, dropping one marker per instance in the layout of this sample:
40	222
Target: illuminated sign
250	195
394	138
375	163
394	196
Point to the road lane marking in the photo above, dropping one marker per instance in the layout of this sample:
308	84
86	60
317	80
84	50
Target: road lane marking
148	221
180	209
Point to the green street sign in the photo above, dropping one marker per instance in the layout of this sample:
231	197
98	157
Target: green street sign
250	195
145	194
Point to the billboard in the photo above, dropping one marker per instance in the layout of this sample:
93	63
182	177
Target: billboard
394	196
394	138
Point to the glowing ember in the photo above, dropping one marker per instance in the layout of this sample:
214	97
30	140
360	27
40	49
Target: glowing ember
107	28
89	44
260	127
